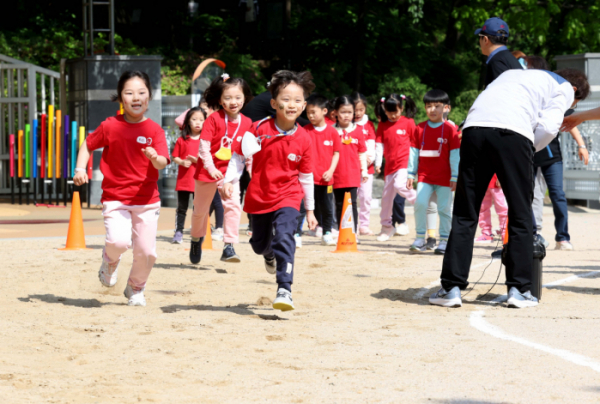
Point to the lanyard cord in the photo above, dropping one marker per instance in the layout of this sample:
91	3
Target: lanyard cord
423	141
227	129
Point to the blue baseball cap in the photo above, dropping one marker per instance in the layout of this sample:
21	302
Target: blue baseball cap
492	26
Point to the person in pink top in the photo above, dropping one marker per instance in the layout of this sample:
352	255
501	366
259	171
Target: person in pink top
365	191
222	133
494	195
394	134
135	149
185	155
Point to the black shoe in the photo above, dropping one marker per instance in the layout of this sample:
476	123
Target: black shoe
497	253
229	254
431	243
196	251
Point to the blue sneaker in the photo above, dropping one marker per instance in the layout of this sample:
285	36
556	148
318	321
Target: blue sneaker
518	300
229	254
177	238
445	298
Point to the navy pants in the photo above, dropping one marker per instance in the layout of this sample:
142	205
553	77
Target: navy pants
553	174
273	234
398	216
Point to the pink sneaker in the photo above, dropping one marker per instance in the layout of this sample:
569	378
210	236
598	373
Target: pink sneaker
484	239
365	231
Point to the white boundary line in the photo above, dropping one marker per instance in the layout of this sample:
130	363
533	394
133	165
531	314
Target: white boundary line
571	279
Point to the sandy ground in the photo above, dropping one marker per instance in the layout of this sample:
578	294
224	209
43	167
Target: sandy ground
362	330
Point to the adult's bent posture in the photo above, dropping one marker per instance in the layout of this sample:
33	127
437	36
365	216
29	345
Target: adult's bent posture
520	112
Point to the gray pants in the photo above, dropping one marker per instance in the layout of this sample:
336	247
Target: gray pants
539	193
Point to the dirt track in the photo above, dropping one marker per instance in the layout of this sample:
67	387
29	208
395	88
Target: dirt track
362	330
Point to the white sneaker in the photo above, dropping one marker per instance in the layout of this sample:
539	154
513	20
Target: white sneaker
108	273
318	232
386	233
441	248
335	233
136	297
217	235
283	301
402	230
518	300
271	265
418	246
564	246
298	239
327	239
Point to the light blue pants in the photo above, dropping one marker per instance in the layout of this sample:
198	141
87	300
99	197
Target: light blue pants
444	202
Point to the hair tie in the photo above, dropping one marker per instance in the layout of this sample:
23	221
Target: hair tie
225	77
403	96
382	99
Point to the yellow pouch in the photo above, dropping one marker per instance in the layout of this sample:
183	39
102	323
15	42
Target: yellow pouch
330	189
347	141
223	154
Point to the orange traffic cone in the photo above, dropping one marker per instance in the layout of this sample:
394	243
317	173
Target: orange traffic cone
75	236
346	237
207	243
505	241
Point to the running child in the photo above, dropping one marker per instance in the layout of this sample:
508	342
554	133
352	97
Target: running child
394	135
185	155
282	174
135	149
494	195
365	192
325	155
434	157
352	166
222	132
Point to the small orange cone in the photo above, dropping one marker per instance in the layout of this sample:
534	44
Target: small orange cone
207	243
505	241
346	237
75	236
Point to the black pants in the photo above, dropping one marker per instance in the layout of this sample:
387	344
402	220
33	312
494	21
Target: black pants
244	182
398	216
485	151
183	203
339	204
217	207
273	234
324	207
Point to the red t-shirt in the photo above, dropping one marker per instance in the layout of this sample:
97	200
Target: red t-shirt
369	134
275	168
185	176
396	138
435	170
324	144
214	130
129	176
347	174
492	184
329	121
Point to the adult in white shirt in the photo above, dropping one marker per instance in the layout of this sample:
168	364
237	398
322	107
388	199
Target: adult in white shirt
517	114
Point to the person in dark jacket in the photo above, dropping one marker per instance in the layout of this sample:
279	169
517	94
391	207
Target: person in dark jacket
493	37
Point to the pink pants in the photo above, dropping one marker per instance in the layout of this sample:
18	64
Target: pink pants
127	225
394	184
496	196
203	195
365	196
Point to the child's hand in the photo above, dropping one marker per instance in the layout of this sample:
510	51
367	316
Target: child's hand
452	186
378	170
311	220
150	153
216	175
498	184
186	163
192	159
327	175
80	178
409	184
227	190
365	178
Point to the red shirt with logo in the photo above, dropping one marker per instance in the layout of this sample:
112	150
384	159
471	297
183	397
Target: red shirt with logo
396	139
129	176
369	133
324	143
185	175
435	170
347	174
275	183
214	131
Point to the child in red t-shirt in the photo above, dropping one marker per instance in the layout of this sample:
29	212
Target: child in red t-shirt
494	195
135	149
222	132
434	157
365	191
282	175
394	135
352	167
325	154
185	155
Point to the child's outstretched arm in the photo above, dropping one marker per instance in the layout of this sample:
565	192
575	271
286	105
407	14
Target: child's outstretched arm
378	156
234	172
454	160
308	186
206	157
159	162
362	157
83	157
328	175
413	166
